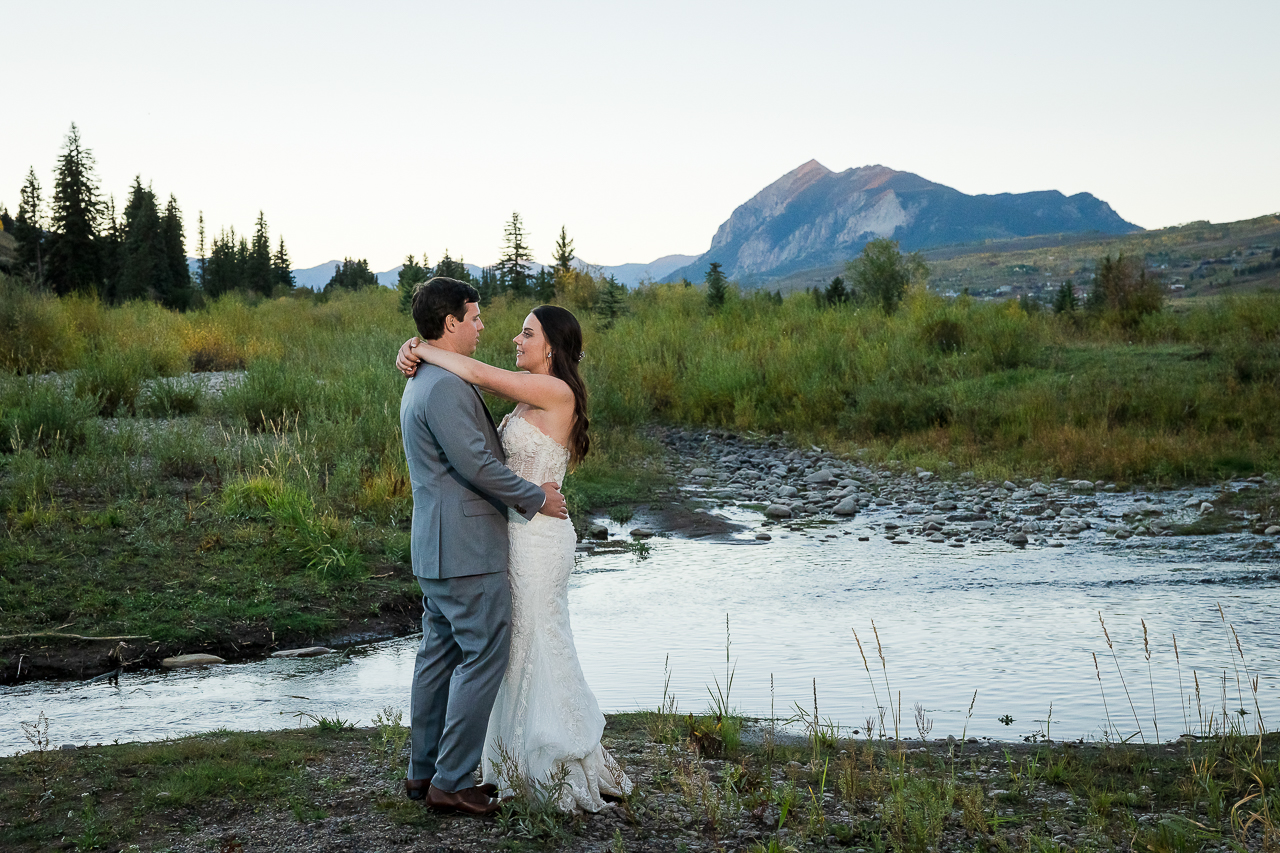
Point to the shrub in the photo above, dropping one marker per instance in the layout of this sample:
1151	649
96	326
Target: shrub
36	330
39	415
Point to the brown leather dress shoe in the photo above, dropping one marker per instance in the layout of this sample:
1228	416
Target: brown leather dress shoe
488	789
468	801
416	788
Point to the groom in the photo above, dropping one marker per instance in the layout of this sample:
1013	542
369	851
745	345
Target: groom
461	491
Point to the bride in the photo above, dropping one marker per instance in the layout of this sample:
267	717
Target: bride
545	726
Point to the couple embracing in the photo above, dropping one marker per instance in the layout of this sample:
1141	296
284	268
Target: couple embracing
497	680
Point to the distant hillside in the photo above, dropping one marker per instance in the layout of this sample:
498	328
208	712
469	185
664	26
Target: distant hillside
813	217
1197	259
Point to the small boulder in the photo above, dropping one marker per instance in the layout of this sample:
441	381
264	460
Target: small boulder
848	506
822	476
777	511
597	531
641	532
1039	489
788	492
1082	486
1018	539
1273	530
1009	487
763	537
178	661
700	472
1205	508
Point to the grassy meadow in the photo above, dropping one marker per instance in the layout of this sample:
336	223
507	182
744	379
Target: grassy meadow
137	502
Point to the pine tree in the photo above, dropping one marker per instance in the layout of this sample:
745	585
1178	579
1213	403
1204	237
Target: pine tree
564	252
489	286
611	302
281	272
258	274
513	268
29	229
174	242
351	275
717	285
457	270
411	275
544	285
1066	301
73	261
836	292
143	272
200	250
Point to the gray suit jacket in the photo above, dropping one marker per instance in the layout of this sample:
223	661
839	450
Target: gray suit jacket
461	488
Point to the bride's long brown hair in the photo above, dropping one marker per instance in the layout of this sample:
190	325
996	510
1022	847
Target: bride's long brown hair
565	337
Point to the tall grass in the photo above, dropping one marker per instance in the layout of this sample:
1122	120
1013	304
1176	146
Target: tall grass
1184	395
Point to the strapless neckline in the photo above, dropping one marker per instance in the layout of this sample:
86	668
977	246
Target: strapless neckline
537	433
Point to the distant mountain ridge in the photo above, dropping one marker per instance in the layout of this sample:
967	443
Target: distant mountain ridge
628	274
813	217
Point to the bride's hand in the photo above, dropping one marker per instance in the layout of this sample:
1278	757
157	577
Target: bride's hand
406	360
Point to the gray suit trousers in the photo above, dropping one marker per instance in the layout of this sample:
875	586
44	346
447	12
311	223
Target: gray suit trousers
466	632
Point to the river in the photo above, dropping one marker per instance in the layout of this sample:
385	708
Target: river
1018	625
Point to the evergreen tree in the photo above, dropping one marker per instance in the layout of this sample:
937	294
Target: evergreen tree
544	285
200	250
258	274
175	256
144	273
513	268
1065	302
281	273
73	262
222	271
411	275
489	286
611	301
111	248
351	275
449	268
28	229
836	292
717	285
564	252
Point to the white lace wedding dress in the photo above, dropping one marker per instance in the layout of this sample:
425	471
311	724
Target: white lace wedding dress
545	721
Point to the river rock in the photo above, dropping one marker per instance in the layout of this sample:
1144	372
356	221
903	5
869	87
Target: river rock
1039	489
1018	539
924	476
788	492
1082	486
1009	487
822	476
1206	507
945	506
778	510
1273	530
937	537
763	537
641	533
190	660
700	472
848	506
308	652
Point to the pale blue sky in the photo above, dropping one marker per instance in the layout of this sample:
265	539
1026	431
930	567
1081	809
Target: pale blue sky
381	128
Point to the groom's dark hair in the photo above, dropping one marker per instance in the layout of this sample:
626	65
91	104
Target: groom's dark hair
436	299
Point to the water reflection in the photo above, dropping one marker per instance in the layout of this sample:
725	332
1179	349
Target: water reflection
1021	627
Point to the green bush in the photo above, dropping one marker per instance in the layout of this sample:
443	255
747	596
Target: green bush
37	414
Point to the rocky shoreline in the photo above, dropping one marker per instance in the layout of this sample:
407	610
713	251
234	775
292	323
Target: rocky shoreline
793	486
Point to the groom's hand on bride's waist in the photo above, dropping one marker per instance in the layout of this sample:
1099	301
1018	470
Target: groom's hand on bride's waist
554	505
